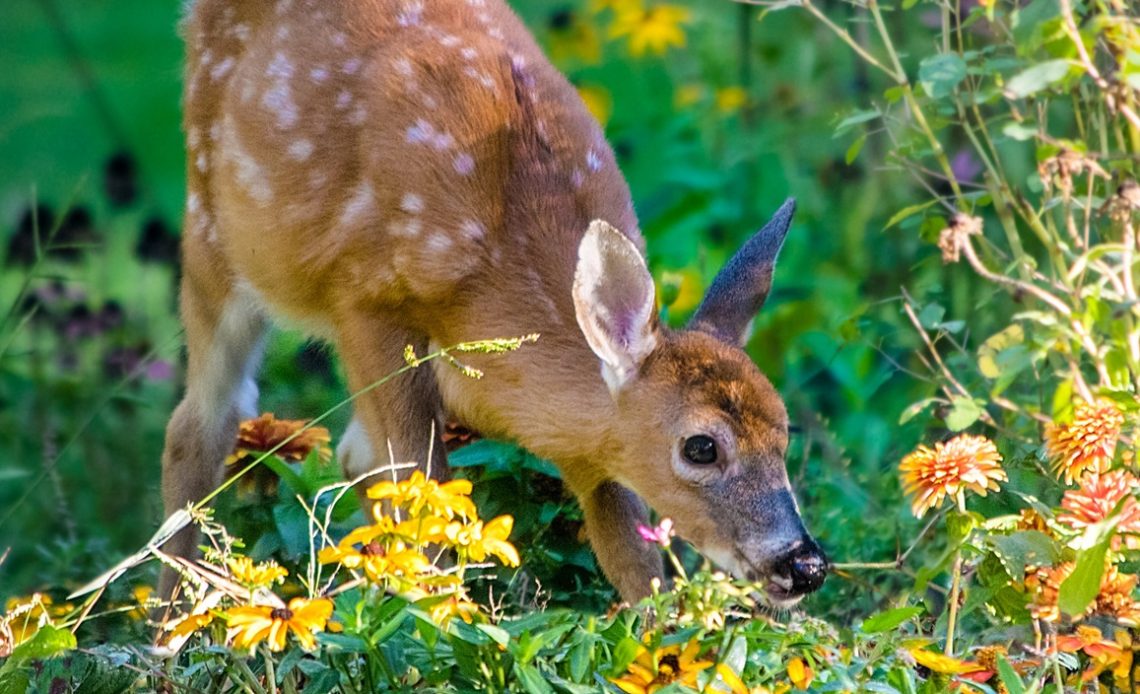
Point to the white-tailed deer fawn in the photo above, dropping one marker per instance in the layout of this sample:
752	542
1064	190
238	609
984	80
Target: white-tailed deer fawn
394	172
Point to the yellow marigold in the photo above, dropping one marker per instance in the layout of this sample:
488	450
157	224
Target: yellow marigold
1115	598
254	624
1044	583
253	575
418	493
949	469
1096	499
474	541
654	669
1088	442
262	434
1030	519
654	29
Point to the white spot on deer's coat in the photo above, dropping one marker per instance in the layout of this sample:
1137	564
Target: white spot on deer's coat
279	97
403	66
319	74
412	203
351	66
469	53
358	115
343	99
300	149
205	58
193	138
464	163
438	242
221	69
421	131
472	230
449	40
241	32
593	161
282	33
318	179
215	131
476	3
359	206
495	33
442	141
429	102
248	172
577	178
193	203
411	15
408	229
202	162
340	39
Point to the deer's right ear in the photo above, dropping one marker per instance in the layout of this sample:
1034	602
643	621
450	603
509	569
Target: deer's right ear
615	303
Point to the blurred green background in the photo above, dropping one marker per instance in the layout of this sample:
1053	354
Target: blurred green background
712	137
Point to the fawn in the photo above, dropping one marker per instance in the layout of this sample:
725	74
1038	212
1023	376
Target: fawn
385	173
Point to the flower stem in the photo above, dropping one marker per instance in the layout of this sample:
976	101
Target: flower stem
955	589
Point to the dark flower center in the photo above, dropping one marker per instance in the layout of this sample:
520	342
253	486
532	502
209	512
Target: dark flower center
372	549
283	614
668	665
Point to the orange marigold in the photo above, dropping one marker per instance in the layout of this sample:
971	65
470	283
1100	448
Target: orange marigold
949	469
267	432
1096	498
1088	442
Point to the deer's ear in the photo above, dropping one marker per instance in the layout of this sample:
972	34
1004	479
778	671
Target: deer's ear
742	285
615	302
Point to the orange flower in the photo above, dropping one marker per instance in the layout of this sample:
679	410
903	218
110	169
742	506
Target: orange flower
1115	597
1103	654
251	625
1097	497
949	469
266	432
800	673
1088	442
1044	583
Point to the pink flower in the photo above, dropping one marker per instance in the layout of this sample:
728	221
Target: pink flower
661	534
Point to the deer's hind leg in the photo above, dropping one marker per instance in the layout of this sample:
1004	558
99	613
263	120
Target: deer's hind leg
225	334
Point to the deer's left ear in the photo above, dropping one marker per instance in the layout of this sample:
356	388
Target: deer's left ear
615	303
742	285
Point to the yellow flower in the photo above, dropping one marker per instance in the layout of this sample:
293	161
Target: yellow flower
653	670
598	102
1103	654
253	575
262	434
454	605
24	617
597	6
687	95
730	100
379	562
964	462
141	595
475	541
252	625
943	664
1088	442
418	493
800	674
190	624
654	29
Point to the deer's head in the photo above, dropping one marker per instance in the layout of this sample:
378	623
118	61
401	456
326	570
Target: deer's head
701	432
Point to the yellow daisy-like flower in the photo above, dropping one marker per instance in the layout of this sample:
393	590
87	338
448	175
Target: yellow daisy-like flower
654	29
360	549
260	435
944	664
654	669
142	595
253	575
572	37
475	541
1103	653
949	469
731	100
190	624
597	6
1088	442
418	493
455	605
250	626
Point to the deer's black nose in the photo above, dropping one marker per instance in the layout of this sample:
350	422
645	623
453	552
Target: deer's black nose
806	565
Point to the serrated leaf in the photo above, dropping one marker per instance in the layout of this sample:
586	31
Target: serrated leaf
889	619
1039	77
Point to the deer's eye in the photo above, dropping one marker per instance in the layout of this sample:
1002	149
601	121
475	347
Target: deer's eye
700	449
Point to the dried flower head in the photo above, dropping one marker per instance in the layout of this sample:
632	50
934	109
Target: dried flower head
1097	497
1088	442
951	239
949	469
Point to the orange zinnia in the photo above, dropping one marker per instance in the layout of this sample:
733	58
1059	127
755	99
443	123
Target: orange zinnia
949	469
1045	585
1097	497
1115	597
1088	442
266	432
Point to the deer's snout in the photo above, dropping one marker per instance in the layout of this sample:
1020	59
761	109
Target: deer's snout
805	566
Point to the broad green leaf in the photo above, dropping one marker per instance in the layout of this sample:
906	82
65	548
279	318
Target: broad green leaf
963	413
987	353
1081	587
940	74
624	654
532	680
1019	131
889	619
497	634
855	119
1021	549
1039	77
1009	676
47	642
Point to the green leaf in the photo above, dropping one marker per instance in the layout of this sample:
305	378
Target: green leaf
1019	131
532	680
856	147
1080	588
963	413
907	212
1009	676
940	74
1038	77
47	642
1021	549
889	619
987	353
624	654
855	119
497	634
915	408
